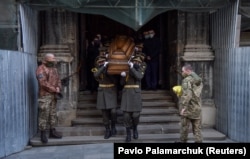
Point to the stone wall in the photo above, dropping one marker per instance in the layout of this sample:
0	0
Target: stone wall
194	48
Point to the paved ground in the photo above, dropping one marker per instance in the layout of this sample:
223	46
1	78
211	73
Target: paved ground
86	151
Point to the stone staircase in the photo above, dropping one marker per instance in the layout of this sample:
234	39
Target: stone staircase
159	122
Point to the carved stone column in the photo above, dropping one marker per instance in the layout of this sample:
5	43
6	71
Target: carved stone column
59	36
197	46
199	54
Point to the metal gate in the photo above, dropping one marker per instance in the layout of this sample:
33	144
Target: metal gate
19	89
231	75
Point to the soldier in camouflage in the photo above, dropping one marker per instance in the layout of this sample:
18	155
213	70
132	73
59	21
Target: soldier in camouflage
106	96
190	104
49	85
131	103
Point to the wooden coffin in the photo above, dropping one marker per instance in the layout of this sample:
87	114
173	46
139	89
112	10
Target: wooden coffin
120	51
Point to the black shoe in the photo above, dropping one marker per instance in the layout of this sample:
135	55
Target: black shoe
107	132
44	138
128	137
135	134
113	131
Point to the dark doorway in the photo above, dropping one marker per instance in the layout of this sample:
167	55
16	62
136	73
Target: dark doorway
90	25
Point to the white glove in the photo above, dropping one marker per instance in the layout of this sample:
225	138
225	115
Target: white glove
123	74
131	64
105	63
136	48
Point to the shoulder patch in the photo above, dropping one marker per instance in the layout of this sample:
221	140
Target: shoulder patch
39	76
185	85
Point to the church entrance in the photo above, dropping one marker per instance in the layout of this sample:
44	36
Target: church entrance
91	25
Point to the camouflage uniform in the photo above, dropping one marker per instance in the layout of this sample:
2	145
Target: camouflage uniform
106	98
48	80
131	103
190	100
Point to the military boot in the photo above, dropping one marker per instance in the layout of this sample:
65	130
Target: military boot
44	138
113	129
128	137
107	132
135	132
54	134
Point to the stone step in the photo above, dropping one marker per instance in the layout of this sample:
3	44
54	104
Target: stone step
160	91
145	96
209	135
143	120
154	104
145	111
99	130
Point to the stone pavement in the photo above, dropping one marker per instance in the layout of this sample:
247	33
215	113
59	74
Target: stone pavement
85	151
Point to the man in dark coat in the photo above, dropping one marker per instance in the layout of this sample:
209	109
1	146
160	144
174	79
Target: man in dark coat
106	96
131	103
151	48
93	52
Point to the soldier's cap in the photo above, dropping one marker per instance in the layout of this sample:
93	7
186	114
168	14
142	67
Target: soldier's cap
139	45
100	59
137	58
141	55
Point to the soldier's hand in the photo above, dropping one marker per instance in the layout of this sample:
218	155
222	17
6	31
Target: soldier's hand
182	111
57	89
136	49
123	74
105	64
131	64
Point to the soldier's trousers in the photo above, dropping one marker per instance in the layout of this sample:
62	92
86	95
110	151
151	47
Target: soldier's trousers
131	119
107	115
196	128
47	112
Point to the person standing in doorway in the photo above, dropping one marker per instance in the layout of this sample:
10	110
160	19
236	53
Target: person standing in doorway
106	96
131	102
93	52
152	49
49	85
190	104
100	40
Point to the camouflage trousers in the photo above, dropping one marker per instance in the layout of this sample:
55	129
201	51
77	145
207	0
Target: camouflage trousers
107	115
196	129
47	112
131	119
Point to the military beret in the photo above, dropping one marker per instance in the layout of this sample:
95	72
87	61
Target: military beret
137	58
141	55
100	59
